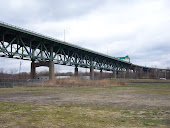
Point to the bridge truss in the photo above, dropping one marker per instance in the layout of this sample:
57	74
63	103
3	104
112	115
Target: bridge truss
23	44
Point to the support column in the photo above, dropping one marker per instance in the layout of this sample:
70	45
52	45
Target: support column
33	75
135	73
128	73
51	70
148	73
140	73
101	74
156	73
168	74
114	74
92	73
165	74
76	71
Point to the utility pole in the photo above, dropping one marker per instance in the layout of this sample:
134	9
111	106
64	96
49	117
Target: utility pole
20	68
64	35
165	74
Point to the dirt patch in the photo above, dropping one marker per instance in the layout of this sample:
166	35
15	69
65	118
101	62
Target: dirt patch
97	98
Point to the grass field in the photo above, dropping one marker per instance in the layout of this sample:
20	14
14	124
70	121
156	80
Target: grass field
143	105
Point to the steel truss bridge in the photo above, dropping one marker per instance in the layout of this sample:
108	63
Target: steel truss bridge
42	50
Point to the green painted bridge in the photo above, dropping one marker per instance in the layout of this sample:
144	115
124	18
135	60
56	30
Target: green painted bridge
42	50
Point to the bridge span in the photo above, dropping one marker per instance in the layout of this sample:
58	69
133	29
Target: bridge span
42	50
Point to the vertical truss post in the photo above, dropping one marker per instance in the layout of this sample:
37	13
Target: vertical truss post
30	49
11	49
75	60
41	50
33	52
22	52
51	54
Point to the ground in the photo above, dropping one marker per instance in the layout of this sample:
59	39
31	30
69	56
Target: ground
140	105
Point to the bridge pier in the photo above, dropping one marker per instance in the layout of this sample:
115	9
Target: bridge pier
33	74
165	74
135	72
101	74
148	73
92	73
51	70
114	74
128	73
76	71
140	70
49	64
155	73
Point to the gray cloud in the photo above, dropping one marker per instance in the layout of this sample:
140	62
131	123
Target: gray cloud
32	11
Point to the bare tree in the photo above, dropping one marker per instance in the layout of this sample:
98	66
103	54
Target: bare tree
13	71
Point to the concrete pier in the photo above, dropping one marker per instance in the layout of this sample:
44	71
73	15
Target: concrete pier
33	74
101	74
114	74
128	73
92	73
76	71
51	70
140	73
148	73
49	64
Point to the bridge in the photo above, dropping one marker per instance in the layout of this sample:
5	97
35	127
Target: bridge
41	50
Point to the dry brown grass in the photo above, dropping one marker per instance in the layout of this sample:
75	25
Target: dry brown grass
77	82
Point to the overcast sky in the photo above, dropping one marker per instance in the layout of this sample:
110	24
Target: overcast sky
138	28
